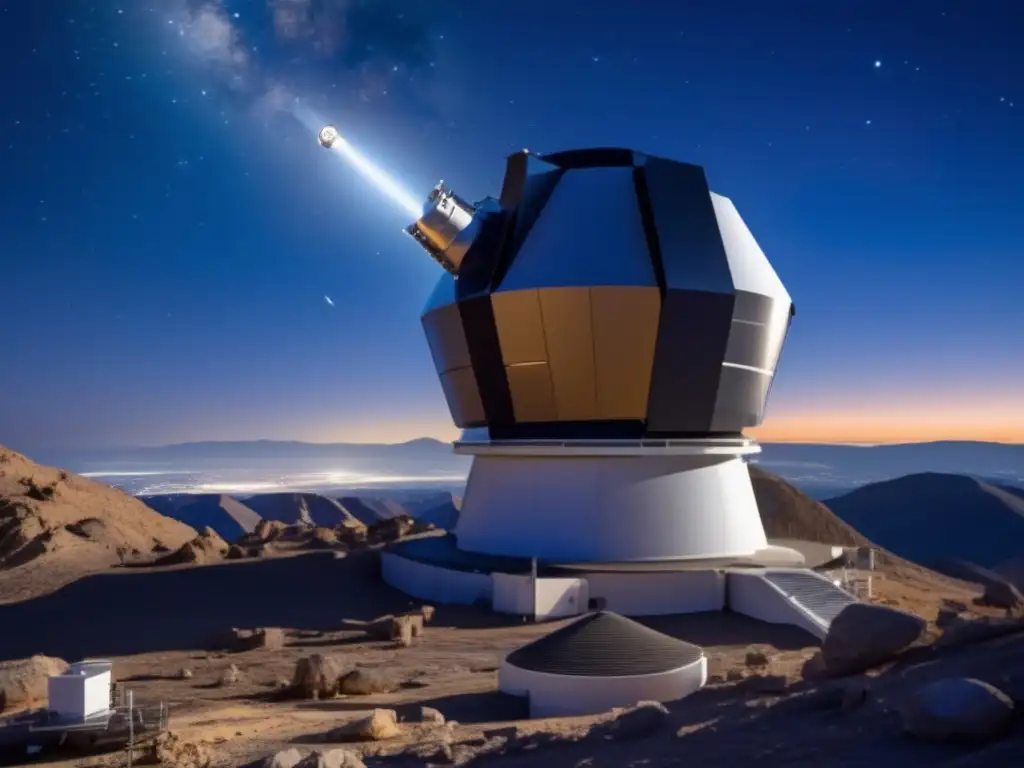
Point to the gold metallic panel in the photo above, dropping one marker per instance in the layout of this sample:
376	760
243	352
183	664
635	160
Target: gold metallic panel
463	397
567	329
625	323
446	338
533	397
520	330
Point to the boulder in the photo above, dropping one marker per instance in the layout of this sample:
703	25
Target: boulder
286	758
331	758
235	552
756	659
381	724
403	631
962	630
957	708
169	750
271	638
317	676
427	611
865	635
1001	594
415	624
322	538
184	673
431	716
363	682
23	683
268	530
638	722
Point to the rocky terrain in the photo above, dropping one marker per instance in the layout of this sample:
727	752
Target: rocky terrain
284	643
56	527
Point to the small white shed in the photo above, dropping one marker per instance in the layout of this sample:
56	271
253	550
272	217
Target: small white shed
82	691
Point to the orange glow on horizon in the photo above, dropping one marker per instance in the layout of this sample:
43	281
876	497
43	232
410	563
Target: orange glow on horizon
879	427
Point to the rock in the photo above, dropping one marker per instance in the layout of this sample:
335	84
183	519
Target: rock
427	612
968	630
1001	594
24	682
431	716
645	719
331	758
415	623
362	682
268	530
734	676
230	676
865	635
322	538
402	631
380	725
271	638
756	659
168	750
287	758
957	709
317	676
184	673
235	552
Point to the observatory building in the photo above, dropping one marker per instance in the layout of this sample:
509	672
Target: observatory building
604	332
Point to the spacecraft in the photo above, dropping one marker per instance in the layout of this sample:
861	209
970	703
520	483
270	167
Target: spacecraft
327	136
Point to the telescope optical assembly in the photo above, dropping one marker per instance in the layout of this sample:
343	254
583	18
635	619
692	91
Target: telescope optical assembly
446	228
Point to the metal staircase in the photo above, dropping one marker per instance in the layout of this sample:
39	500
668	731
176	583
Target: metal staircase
815	594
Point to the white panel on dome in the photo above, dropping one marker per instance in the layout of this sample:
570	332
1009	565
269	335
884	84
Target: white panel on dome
589	233
751	270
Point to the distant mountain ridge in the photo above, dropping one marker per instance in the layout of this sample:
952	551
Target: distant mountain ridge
930	517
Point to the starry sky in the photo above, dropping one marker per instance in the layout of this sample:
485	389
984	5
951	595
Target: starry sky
181	261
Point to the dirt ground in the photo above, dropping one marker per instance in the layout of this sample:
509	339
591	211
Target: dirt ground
155	622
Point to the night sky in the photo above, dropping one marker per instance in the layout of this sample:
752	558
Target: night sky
170	234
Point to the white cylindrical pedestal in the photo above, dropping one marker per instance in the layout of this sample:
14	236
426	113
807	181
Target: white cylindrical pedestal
586	503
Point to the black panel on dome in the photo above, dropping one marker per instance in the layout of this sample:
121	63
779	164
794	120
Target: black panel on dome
591	158
689	243
519	167
529	183
485	353
605	644
482	258
692	338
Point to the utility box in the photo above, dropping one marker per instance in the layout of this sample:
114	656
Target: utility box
82	691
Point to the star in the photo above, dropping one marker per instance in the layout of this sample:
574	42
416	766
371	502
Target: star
878	64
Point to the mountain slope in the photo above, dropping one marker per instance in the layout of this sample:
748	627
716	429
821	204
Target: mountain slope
229	517
931	517
56	526
787	513
301	507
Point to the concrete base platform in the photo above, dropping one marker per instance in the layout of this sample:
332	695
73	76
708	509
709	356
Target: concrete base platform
434	569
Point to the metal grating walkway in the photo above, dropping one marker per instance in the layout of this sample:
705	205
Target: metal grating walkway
815	594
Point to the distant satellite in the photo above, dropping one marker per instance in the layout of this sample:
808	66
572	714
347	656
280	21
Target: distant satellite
329	301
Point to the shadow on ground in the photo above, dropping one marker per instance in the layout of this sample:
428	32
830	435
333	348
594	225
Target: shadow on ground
141	611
